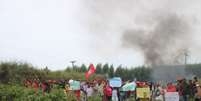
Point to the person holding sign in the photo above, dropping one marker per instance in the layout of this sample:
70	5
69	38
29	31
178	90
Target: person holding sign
143	93
115	95
171	87
75	87
171	96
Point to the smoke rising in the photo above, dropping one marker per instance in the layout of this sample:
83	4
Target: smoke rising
169	35
160	30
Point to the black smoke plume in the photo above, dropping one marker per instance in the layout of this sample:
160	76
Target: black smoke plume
160	45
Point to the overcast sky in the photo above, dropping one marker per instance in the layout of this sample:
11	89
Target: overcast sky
54	32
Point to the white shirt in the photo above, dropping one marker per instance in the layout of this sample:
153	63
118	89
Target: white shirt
114	95
89	91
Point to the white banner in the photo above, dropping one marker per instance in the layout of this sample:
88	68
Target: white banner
171	96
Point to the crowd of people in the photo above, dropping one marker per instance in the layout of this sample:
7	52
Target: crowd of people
188	90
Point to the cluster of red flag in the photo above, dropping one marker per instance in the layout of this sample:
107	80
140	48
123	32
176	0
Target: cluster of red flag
91	71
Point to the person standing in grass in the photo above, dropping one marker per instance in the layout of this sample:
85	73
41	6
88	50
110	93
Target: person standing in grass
198	94
44	87
186	90
35	86
83	92
191	89
108	93
180	90
171	87
77	94
89	91
115	95
67	88
100	89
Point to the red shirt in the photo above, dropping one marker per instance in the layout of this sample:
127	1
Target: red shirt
44	86
35	84
77	93
171	88
108	91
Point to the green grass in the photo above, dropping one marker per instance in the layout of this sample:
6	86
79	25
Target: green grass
20	93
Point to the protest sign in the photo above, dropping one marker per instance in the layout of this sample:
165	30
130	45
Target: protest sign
115	82
171	96
74	85
143	92
129	87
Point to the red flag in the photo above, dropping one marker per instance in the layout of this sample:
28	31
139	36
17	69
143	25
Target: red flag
91	71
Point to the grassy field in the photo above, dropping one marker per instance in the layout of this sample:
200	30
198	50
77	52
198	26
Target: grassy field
20	93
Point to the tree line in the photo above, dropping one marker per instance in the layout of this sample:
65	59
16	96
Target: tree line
17	72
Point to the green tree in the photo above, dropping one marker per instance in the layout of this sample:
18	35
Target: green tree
111	71
4	73
83	68
68	69
46	70
76	68
105	69
119	71
142	73
98	68
194	69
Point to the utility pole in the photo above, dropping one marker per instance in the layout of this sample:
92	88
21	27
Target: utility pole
186	57
73	63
